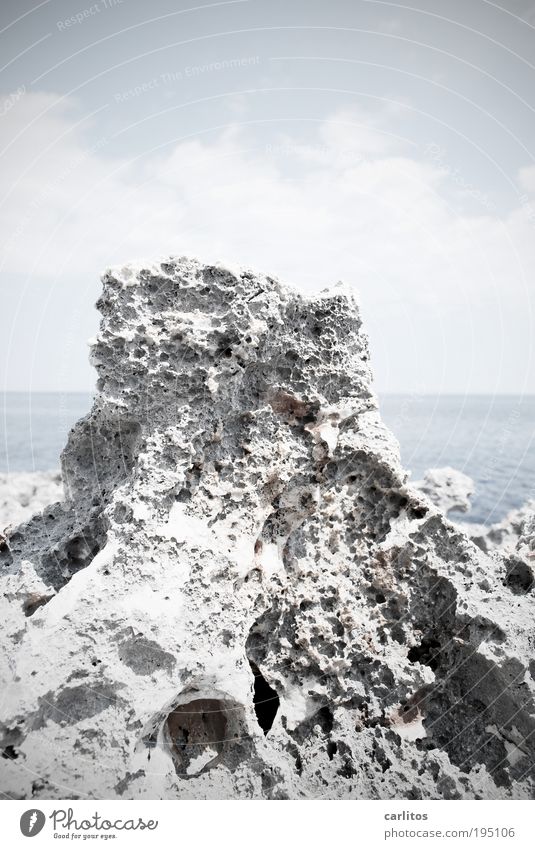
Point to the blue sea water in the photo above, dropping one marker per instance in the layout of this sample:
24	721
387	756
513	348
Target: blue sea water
34	428
490	438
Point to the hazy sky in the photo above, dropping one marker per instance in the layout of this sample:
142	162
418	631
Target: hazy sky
385	144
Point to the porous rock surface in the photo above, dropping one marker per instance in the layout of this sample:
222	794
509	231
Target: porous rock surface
24	493
240	597
447	488
451	490
515	532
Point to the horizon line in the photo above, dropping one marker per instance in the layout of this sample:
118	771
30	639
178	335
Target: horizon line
399	392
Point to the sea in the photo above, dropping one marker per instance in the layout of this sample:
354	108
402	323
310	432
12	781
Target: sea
489	438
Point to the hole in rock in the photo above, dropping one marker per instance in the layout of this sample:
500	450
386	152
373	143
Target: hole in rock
427	653
348	769
332	749
10	753
6	558
519	576
204	732
197	725
266	701
325	719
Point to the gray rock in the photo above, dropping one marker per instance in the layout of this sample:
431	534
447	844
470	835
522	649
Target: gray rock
247	600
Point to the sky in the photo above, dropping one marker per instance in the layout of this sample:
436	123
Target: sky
385	144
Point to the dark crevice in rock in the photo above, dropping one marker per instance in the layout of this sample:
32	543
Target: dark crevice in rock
266	701
10	753
427	653
11	740
6	559
519	576
332	749
324	717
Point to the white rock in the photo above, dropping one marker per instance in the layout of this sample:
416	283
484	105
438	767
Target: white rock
223	566
24	493
447	488
514	532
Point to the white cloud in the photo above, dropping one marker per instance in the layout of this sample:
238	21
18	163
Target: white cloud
351	202
526	178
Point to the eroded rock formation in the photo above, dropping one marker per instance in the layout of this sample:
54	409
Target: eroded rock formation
240	596
447	488
450	490
24	493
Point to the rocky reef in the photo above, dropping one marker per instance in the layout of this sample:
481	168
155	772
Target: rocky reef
24	493
450	491
447	488
240	596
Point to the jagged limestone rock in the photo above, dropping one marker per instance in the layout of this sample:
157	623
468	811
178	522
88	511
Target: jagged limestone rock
515	532
450	490
240	597
24	493
447	488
